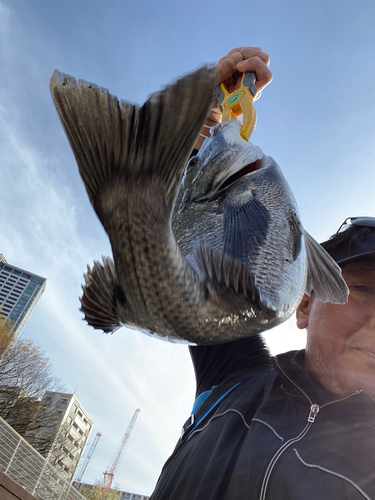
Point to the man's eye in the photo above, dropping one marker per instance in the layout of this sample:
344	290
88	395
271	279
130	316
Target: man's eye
363	289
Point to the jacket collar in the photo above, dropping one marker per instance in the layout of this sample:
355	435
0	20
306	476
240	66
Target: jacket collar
290	366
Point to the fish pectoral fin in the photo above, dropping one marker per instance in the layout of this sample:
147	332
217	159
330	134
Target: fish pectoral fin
102	296
245	227
324	277
115	140
296	232
223	271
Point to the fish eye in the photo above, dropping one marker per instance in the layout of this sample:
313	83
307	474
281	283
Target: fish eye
193	161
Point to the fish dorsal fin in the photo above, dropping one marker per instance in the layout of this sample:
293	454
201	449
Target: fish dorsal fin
224	271
324	274
115	138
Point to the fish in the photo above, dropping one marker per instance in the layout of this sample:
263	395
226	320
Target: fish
207	249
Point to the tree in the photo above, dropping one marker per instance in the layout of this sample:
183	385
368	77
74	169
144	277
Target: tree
5	333
95	492
25	374
53	441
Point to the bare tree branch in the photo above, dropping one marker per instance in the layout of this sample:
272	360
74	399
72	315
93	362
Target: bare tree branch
25	375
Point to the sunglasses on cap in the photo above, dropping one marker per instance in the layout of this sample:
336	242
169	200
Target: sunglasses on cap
358	221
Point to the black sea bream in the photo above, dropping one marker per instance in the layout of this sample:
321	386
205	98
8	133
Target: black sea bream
209	256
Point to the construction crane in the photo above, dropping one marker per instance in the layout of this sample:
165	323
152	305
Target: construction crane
109	474
86	461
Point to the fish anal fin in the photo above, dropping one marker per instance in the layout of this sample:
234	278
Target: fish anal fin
102	297
223	271
324	277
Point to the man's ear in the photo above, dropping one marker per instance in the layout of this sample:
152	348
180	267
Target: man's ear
303	312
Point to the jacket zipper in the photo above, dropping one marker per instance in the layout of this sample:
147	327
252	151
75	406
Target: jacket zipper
314	410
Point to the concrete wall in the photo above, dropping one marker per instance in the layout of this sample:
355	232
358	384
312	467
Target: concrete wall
10	490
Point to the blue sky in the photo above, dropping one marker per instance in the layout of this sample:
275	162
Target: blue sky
316	119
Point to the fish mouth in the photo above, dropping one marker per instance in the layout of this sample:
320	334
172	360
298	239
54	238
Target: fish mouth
247	169
230	180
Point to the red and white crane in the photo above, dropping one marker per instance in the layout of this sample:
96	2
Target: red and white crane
86	461
109	474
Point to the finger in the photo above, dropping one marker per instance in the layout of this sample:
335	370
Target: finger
248	52
226	65
263	73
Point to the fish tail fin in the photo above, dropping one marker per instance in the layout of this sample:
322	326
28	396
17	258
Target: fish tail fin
324	274
101	294
115	139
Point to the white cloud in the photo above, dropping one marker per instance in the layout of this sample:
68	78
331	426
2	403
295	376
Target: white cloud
48	226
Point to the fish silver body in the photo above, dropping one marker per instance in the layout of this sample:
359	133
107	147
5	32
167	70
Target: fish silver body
212	256
253	219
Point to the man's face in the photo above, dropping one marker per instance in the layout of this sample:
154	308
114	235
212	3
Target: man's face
340	350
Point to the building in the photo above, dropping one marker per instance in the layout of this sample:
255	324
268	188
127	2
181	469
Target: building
125	495
63	431
20	291
122	495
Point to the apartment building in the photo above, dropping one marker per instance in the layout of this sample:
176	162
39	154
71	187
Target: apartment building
64	431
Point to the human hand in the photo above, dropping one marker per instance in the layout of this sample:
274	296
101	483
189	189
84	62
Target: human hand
229	70
240	60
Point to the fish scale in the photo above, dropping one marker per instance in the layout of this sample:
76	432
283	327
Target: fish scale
150	276
207	254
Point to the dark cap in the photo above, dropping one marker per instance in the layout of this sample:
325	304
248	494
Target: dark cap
350	250
364	249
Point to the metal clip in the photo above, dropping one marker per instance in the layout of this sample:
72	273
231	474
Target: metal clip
240	102
187	425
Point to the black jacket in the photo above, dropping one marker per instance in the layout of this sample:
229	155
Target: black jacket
268	431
